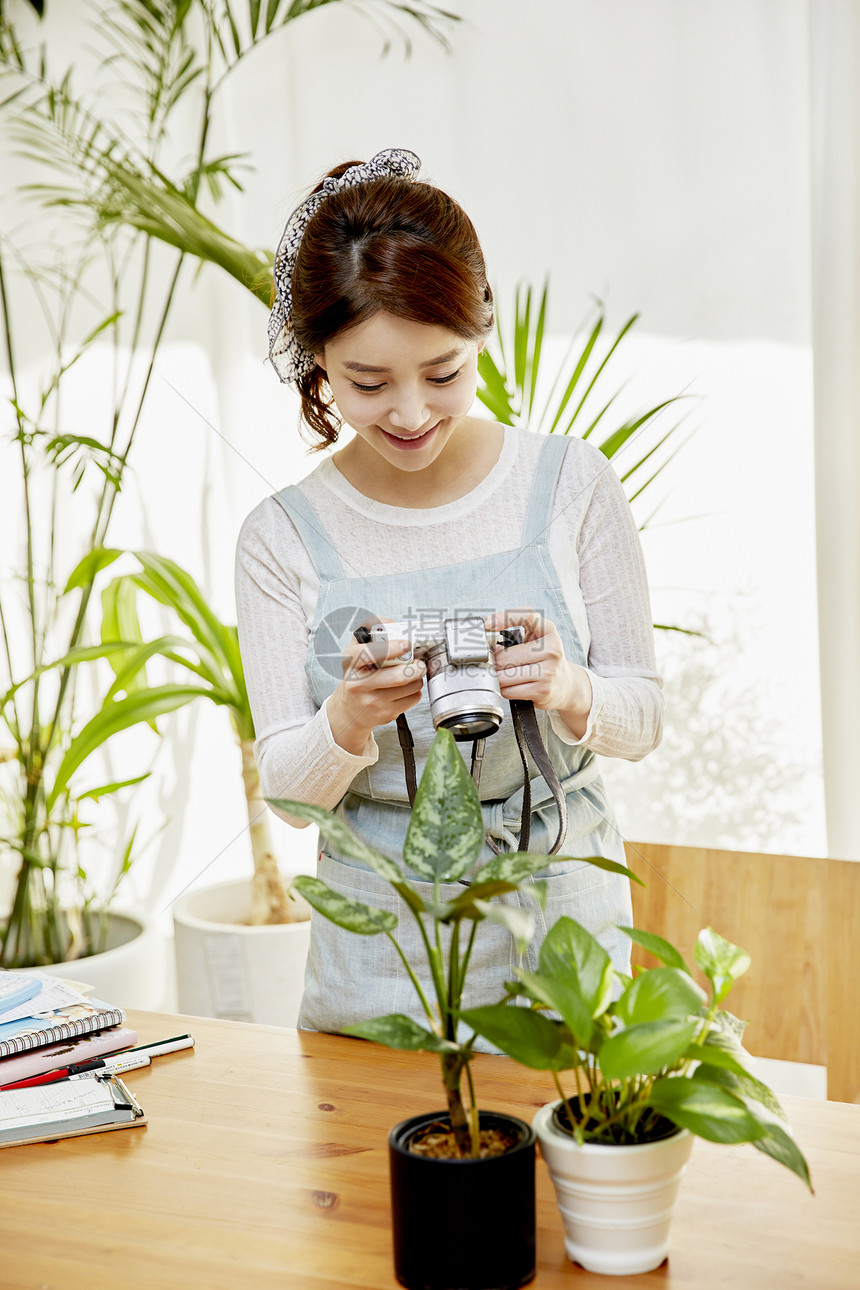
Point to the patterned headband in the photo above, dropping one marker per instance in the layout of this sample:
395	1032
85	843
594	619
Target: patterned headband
290	359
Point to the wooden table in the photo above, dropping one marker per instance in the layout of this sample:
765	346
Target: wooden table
264	1164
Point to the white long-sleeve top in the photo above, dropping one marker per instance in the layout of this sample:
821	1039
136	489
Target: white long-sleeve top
592	540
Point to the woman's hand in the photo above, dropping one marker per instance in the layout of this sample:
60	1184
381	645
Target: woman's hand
538	669
371	695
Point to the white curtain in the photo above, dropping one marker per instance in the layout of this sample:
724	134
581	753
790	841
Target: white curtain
835	58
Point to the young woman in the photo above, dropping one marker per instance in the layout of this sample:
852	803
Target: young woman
383	306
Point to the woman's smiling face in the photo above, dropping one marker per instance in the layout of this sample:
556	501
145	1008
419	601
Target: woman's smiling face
404	387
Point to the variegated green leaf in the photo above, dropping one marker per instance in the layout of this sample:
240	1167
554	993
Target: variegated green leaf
519	922
400	1031
350	914
341	836
446	831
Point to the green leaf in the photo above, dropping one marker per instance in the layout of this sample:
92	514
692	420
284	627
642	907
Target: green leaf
446	831
659	994
121	714
721	962
656	945
710	1056
341	836
400	1031
524	1035
764	1105
565	998
519	922
571	954
514	867
365	920
728	1024
85	571
410	896
537	891
706	1110
465	905
743	1085
120	622
96	793
778	1143
647	1048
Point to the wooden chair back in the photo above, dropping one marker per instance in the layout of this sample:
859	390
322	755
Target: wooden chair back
798	918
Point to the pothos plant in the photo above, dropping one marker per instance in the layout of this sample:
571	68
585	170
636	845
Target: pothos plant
663	1055
443	842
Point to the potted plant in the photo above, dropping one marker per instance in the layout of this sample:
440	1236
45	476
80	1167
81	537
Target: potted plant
651	1069
252	933
453	1171
106	274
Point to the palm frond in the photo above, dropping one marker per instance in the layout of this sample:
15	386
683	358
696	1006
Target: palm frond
510	384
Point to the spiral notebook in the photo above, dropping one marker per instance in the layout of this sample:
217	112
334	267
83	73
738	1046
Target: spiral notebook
26	1033
67	1109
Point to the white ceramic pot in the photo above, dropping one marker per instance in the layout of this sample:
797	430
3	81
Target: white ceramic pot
130	972
225	968
616	1202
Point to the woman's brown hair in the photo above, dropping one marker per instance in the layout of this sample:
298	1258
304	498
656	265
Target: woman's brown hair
388	245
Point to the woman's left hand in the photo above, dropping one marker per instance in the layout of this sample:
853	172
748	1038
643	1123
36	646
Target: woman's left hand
538	669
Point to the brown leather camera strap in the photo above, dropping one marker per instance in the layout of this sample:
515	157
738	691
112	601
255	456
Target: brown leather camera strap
524	716
407	747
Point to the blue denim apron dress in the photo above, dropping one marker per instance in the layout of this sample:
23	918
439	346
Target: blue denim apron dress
350	978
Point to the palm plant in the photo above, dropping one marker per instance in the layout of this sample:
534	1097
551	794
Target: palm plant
511	381
213	671
111	291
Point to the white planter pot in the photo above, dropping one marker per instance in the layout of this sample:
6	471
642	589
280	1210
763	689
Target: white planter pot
225	968
130	972
616	1202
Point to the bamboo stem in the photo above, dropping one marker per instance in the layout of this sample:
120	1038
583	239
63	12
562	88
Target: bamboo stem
270	902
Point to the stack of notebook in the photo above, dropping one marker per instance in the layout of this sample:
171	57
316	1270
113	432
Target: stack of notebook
47	1022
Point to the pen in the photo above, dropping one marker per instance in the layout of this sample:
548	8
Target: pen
81	1070
109	1066
131	1059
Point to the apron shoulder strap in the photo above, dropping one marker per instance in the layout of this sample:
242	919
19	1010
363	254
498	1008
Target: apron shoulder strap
316	541
542	497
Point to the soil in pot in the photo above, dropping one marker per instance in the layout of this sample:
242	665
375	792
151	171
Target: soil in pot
654	1130
463	1223
436	1141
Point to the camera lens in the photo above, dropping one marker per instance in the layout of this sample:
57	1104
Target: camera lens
465	726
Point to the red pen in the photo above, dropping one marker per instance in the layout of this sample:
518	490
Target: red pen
130	1060
107	1065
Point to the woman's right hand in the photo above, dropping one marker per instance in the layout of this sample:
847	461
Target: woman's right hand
371	695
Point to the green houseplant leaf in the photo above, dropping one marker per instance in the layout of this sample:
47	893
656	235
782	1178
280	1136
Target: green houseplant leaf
663	992
705	1109
529	1038
353	915
721	962
333	830
656	945
446	831
646	1048
566	998
400	1031
570	952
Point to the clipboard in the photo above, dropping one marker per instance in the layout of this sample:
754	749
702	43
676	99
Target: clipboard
68	1108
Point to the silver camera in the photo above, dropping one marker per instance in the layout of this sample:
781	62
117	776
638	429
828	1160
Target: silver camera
461	679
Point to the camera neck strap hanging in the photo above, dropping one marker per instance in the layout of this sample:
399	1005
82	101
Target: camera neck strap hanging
529	740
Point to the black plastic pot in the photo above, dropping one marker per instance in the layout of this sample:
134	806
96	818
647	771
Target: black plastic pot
463	1224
